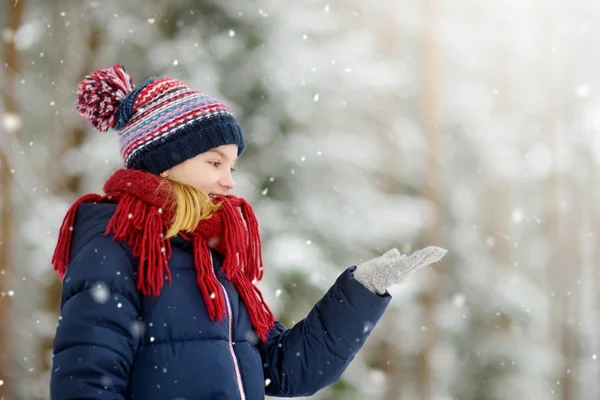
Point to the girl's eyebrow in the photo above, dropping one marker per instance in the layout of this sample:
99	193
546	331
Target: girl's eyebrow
219	152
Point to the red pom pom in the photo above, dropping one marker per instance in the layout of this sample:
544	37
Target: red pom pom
100	94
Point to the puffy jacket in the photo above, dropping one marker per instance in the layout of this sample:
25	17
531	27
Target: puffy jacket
114	343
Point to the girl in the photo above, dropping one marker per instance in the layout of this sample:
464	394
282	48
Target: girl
159	296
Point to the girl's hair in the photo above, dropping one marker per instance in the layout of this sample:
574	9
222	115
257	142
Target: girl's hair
193	205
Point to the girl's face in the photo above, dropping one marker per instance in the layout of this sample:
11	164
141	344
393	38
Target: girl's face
210	172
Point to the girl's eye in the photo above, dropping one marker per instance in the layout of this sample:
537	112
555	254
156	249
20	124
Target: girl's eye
233	170
214	163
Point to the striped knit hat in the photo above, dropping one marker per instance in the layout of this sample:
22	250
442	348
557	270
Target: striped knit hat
161	123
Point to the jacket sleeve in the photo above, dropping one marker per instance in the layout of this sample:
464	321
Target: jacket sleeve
316	351
97	333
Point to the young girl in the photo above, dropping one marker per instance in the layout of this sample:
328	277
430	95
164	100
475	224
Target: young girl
159	295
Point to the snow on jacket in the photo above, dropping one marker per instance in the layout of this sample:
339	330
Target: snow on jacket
114	343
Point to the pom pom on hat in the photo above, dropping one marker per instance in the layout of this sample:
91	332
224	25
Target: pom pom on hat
101	93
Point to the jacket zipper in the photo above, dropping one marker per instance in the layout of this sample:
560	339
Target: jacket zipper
236	367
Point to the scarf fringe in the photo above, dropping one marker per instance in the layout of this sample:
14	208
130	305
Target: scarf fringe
261	316
209	286
254	259
62	251
248	256
141	227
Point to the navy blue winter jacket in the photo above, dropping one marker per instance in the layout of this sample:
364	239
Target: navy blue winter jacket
114	343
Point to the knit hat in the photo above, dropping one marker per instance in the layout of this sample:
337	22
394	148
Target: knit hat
161	123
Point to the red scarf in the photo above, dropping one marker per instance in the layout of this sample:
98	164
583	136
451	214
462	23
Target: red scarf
146	206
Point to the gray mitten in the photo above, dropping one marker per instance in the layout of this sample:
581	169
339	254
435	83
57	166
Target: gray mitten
392	268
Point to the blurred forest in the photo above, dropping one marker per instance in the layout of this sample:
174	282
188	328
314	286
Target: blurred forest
472	125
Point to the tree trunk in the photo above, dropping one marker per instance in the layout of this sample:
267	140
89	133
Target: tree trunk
561	223
389	350
11	72
429	116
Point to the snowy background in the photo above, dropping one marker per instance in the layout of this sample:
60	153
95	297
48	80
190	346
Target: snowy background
469	124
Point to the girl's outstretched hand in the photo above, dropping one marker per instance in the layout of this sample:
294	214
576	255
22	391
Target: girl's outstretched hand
393	267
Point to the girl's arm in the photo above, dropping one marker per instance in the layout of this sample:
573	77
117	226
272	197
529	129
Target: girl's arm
97	334
316	351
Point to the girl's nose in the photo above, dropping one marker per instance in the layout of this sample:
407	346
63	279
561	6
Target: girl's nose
228	182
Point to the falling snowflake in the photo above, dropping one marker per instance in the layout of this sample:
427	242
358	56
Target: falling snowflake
100	293
11	122
459	299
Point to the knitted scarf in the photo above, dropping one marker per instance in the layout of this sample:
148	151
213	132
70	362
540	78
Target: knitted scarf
145	208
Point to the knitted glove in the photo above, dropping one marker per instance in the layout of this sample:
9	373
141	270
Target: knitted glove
392	268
